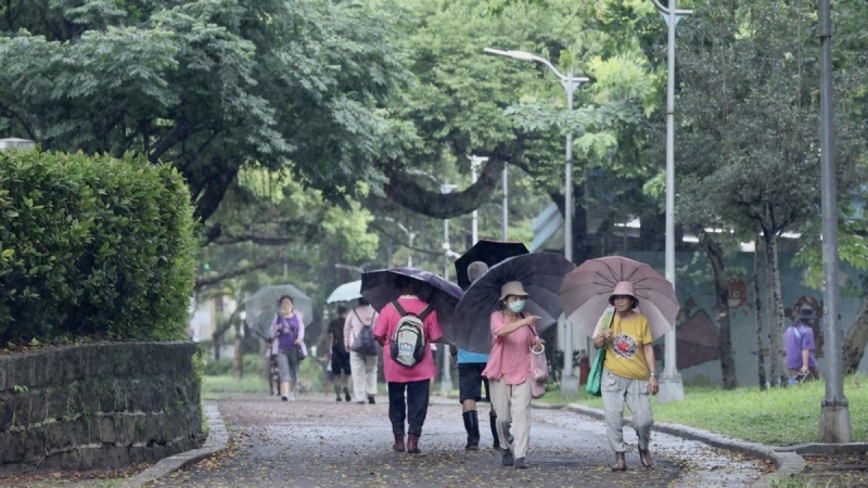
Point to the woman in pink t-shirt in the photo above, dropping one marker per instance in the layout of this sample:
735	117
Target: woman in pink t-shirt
412	380
508	370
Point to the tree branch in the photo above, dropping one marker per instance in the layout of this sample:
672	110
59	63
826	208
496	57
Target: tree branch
401	242
403	190
211	280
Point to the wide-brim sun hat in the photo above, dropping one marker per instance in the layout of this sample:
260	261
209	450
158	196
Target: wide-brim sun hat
623	288
512	288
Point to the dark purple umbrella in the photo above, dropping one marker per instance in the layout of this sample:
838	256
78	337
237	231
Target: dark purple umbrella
490	253
541	275
380	288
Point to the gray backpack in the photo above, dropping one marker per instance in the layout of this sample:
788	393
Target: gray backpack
408	343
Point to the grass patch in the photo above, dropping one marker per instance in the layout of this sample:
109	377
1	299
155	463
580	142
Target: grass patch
228	384
779	416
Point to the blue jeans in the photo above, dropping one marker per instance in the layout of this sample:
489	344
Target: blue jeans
414	409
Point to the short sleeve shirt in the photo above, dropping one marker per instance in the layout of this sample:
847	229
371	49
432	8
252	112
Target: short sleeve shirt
385	326
510	354
336	328
625	355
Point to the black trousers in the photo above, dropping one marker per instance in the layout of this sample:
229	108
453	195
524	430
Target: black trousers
414	409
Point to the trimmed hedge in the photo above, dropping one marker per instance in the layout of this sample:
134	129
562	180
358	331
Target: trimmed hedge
93	246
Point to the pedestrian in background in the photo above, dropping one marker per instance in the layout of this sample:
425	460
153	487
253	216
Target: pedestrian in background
799	342
508	370
364	367
412	381
629	374
287	332
470	380
339	356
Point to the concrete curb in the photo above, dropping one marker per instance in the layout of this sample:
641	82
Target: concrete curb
216	442
788	463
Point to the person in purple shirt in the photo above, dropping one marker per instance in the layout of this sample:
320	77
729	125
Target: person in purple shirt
799	341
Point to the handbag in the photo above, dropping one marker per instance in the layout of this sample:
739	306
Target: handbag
595	377
539	371
365	343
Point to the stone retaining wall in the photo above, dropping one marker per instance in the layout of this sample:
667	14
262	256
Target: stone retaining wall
98	406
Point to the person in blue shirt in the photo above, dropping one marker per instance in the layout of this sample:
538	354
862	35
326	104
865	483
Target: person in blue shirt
470	366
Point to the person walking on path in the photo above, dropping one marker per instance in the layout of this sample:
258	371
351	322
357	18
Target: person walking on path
629	373
364	367
339	356
508	370
287	332
470	381
799	341
414	381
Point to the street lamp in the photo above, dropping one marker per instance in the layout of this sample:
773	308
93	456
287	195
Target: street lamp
475	161
569	381
671	386
446	380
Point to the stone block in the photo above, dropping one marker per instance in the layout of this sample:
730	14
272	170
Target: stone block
34	442
69	460
53	436
6	371
12	446
103	431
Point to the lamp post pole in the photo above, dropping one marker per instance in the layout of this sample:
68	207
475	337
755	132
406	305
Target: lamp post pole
505	230
671	385
835	411
446	379
475	161
569	381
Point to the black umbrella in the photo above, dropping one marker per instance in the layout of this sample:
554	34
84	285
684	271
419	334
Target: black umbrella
380	288
541	274
490	253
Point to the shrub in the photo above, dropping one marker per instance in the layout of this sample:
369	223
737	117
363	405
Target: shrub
93	246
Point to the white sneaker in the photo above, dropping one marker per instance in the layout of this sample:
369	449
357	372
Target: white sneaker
291	397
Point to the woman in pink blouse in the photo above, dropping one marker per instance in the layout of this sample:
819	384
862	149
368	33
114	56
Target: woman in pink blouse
508	370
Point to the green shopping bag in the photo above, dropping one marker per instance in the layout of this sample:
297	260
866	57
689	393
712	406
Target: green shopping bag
595	377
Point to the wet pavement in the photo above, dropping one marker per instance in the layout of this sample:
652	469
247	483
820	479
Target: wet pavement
316	441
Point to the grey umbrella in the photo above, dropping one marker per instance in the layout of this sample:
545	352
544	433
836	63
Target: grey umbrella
265	303
541	274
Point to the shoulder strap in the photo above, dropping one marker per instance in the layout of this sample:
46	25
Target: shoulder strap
360	318
399	308
424	313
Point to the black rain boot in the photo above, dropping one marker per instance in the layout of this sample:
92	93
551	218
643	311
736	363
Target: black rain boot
492	422
471	425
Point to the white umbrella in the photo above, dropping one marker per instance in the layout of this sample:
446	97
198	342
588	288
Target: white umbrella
346	292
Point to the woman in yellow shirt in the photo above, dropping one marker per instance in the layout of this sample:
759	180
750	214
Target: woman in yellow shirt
629	373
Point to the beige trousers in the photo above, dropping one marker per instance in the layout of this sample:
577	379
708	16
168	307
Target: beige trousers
364	370
512	404
616	392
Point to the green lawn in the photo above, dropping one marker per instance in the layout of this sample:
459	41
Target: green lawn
779	416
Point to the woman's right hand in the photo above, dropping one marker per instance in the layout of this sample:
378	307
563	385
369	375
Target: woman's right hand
532	319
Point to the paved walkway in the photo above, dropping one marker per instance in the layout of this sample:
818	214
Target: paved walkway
319	442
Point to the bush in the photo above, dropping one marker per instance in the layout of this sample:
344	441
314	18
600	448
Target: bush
93	246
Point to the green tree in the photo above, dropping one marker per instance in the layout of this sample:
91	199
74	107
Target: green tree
206	86
748	151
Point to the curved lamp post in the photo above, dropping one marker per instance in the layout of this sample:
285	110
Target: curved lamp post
569	381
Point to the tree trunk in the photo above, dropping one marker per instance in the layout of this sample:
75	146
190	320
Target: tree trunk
857	337
758	306
239	354
721	293
264	360
776	322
